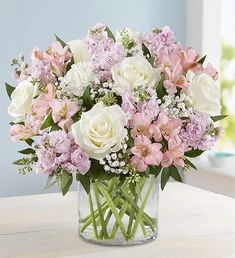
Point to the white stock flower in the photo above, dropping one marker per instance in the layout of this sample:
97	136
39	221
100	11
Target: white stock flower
100	130
205	94
22	98
134	72
79	51
77	78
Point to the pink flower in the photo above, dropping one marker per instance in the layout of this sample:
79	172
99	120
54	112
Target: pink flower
189	59
46	163
140	124
145	153
81	160
60	141
211	71
165	127
62	111
20	132
41	105
175	79
175	153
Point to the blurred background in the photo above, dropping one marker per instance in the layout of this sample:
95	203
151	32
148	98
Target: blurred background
206	25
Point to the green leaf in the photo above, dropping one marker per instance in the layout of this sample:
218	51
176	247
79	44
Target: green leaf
153	170
146	51
19	162
29	141
161	91
63	44
189	163
165	177
85	181
65	183
110	34
9	89
174	173
217	118
47	122
87	101
193	153
27	151
201	61
55	127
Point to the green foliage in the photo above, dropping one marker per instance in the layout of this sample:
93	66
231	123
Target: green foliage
110	34
165	176
217	118
87	101
27	151
202	60
48	122
26	163
193	153
84	180
62	43
9	89
66	181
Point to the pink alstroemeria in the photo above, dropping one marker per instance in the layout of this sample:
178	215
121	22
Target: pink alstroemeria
175	153
175	78
41	105
140	124
145	153
165	127
189	59
20	132
62	111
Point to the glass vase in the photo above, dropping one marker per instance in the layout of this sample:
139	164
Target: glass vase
119	211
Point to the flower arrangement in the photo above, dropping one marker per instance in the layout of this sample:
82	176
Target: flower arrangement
116	109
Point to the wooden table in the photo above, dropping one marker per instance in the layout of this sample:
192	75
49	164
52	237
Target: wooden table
193	224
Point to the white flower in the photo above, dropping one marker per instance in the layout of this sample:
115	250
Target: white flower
79	51
205	94
77	78
22	98
101	130
134	72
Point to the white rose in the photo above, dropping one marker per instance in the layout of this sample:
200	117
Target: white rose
100	130
205	94
22	98
79	51
134	72
77	78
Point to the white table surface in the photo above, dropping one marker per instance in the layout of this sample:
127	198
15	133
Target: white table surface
193	223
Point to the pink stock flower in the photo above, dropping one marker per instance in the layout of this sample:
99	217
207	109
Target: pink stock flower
46	163
62	111
60	142
20	132
175	153
81	161
145	153
165	127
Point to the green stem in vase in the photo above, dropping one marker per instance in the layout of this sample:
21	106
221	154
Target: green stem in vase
139	216
114	210
101	214
116	225
92	215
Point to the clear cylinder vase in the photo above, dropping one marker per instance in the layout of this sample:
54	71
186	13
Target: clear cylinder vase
119	211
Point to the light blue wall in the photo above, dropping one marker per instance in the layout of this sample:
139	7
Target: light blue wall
29	23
